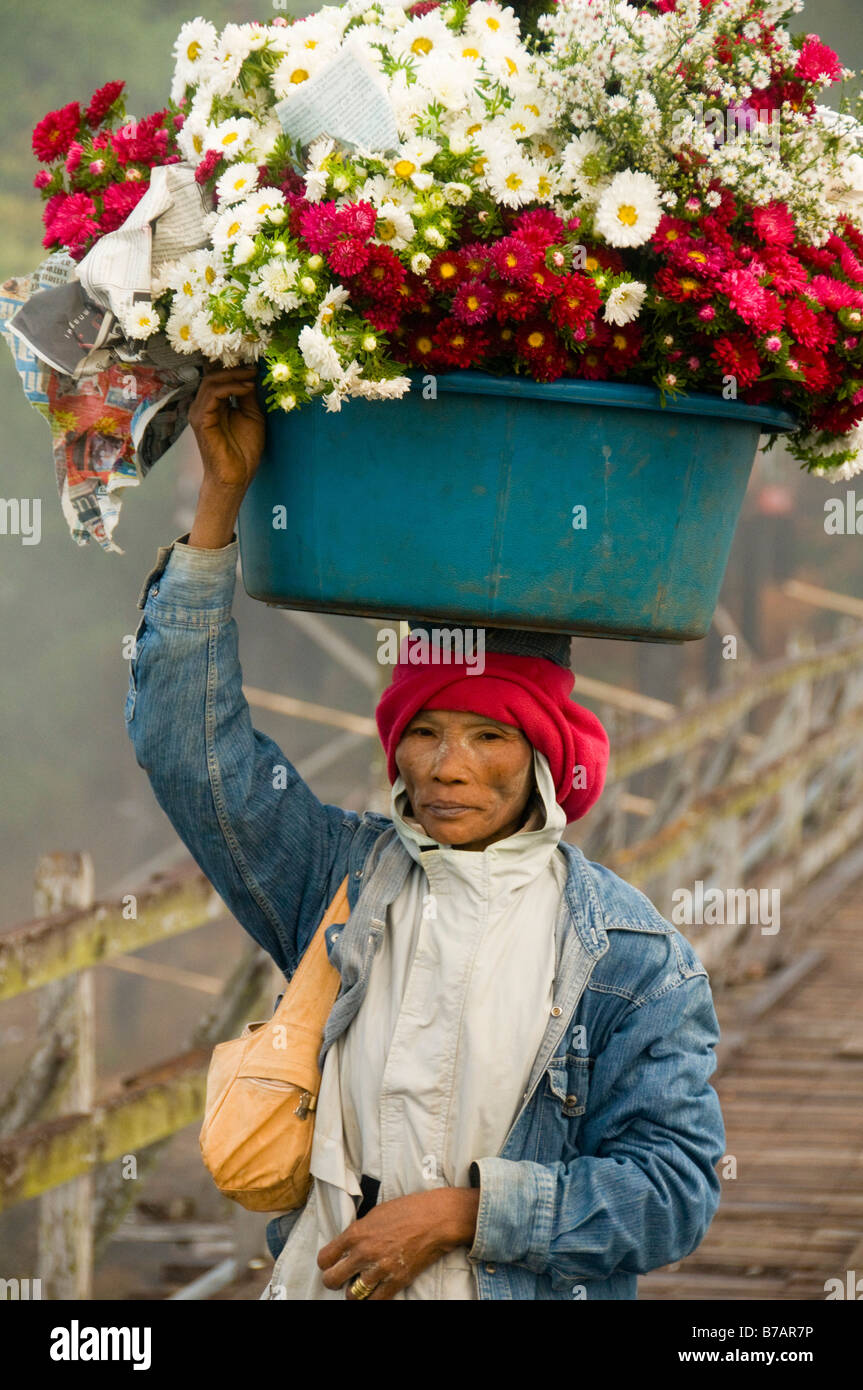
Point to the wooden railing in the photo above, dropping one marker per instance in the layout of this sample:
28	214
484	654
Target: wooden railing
757	785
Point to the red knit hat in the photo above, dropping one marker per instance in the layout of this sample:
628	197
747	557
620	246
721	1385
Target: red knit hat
531	693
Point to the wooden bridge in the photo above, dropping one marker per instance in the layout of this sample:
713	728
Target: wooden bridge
753	789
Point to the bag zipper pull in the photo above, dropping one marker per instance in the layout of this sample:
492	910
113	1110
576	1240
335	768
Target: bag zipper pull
307	1103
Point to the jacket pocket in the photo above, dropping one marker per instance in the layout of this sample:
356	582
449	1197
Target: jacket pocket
568	1083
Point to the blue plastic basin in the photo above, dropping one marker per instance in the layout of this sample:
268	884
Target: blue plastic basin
465	507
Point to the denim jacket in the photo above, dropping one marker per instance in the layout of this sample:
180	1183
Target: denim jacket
608	1170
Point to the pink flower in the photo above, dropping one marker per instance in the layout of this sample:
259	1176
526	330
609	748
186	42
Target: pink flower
816	59
75	222
132	175
707	313
513	259
693	204
539	228
42	179
850	344
101	102
755	305
53	135
834	294
96	166
773	343
73	158
118	199
473	302
693	363
280	20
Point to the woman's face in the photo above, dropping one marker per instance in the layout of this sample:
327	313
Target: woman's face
468	777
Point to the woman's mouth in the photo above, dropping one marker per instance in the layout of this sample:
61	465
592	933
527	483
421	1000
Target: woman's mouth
442	810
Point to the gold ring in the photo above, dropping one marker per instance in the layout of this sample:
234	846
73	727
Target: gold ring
359	1289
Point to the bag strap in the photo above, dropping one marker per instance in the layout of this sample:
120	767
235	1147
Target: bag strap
315	971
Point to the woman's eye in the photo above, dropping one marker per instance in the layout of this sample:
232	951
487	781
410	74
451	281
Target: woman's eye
421	730
489	733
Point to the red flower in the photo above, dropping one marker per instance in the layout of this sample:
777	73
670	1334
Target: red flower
577	299
681	285
737	357
787	273
808	327
208	166
42	179
839	418
339	233
624	347
384	315
54	134
457	345
413	293
591	365
816	369
101	102
382	274
513	302
514	259
541	349
540	228
142	142
348	255
473	302
51	208
849	263
75	222
774	224
118	200
419	346
446	271
474	257
815	59
73	158
670	231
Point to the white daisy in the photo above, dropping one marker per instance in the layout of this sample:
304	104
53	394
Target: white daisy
265	205
629	210
332	301
141	321
231	225
276	281
236	182
232	50
624	303
192	139
298	64
230	137
319	353
489	21
243	250
512	180
215	341
258	308
420	38
180	331
193	50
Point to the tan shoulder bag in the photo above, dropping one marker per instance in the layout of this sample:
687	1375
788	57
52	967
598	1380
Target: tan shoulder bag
262	1088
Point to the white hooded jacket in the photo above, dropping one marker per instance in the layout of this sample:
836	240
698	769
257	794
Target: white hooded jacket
431	1073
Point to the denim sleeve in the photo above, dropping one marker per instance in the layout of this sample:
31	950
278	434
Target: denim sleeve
261	836
646	1190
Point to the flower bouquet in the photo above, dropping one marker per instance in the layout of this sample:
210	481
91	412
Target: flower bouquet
641	205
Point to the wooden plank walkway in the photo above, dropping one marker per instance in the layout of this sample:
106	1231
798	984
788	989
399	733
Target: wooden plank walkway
792	1098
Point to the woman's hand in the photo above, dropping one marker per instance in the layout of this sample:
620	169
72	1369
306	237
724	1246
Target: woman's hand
397	1240
231	441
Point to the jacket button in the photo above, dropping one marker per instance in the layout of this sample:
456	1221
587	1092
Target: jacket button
572	1100
154	590
556	1011
490	1269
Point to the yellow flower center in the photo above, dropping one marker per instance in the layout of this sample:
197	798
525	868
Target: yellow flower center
472	302
218	328
698	256
591	263
511	67
492	23
688	285
472	129
506	334
403	168
378	272
510	296
185	332
447	270
529	106
619	341
240	182
326	316
671	235
193	52
511	259
479	165
422	45
197	143
209	275
457	340
299	75
311	43
536	340
229	138
233	229
627	215
187	287
470	53
424	344
514	180
386	231
543	187
519	125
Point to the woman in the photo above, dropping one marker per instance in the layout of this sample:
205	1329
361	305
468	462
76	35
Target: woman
515	1099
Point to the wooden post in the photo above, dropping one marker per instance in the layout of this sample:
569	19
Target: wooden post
65	1258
